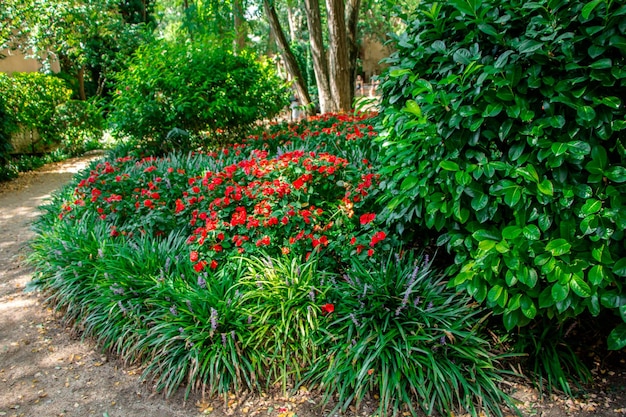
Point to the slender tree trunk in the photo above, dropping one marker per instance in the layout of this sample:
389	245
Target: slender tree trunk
81	83
318	54
288	58
240	29
293	24
340	86
352	25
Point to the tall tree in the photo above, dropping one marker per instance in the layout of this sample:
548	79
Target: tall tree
318	54
352	28
285	50
88	38
340	84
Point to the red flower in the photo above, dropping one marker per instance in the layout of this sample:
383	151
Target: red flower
264	241
353	240
298	183
199	266
193	256
378	236
213	264
328	308
370	252
179	206
148	203
367	218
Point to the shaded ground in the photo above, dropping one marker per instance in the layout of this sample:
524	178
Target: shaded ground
46	370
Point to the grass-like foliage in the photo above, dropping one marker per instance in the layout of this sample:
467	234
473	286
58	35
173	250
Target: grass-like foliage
220	271
399	331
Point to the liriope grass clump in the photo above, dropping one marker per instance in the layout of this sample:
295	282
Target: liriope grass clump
399	332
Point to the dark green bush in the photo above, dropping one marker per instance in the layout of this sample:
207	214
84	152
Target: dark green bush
30	101
78	124
174	93
505	133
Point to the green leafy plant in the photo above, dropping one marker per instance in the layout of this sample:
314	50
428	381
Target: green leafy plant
79	125
30	101
177	95
398	331
504	133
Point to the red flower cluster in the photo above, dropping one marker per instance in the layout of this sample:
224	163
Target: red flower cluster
295	202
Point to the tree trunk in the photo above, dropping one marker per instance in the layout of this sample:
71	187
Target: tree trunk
81	83
340	86
288	58
318	54
240	29
293	24
352	24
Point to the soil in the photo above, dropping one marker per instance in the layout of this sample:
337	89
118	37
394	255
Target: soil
47	369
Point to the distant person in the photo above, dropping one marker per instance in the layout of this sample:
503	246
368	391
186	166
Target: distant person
359	85
374	86
295	108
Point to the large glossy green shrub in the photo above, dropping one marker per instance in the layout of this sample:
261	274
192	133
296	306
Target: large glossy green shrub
172	94
505	134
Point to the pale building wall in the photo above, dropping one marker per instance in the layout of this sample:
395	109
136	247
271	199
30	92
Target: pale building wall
372	51
15	61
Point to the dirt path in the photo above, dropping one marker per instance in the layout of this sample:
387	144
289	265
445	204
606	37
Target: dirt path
46	370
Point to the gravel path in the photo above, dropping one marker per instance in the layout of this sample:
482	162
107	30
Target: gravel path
45	369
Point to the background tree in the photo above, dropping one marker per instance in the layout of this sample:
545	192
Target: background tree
89	39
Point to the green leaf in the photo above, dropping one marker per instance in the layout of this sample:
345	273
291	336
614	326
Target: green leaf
619	268
409	182
505	128
498	295
529	45
597	274
588	8
532	232
503	59
395	73
586	113
612	102
511	232
413	108
492	110
528	307
559	148
486	245
449	165
558	247
616	173
510	320
603	63
513	196
545	187
591	206
528	276
465	6
617	338
580	287
545	298
559	292
480	201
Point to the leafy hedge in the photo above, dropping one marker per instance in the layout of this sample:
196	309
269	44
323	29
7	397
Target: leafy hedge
176	91
28	101
506	134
